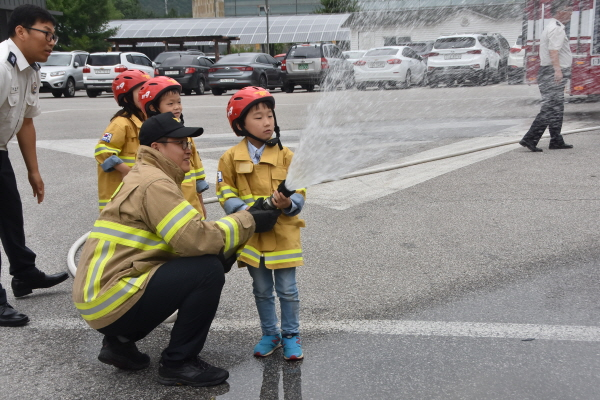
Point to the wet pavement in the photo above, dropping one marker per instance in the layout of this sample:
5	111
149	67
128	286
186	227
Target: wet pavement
479	282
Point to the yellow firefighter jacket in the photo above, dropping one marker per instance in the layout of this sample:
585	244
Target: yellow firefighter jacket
147	223
239	177
119	142
188	186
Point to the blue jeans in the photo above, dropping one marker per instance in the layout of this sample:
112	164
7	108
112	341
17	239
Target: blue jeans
287	291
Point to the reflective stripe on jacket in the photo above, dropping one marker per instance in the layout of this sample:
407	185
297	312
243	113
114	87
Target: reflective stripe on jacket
188	185
243	179
120	139
147	223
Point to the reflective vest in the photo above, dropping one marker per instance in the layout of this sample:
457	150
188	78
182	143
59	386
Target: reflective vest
147	223
240	177
120	139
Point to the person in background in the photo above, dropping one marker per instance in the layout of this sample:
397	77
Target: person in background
555	70
251	171
160	95
116	150
32	38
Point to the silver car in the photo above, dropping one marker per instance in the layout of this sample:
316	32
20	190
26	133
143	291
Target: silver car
238	70
62	74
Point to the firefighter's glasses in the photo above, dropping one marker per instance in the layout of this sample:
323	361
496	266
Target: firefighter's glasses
185	144
49	35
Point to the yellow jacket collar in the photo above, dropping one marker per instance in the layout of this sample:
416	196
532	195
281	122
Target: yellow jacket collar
269	155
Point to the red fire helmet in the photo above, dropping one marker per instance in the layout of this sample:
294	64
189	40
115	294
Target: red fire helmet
243	100
153	89
126	81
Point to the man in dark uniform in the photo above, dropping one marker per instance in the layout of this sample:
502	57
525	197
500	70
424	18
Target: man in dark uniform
31	31
555	69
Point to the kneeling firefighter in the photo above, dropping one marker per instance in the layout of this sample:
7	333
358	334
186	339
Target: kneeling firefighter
150	254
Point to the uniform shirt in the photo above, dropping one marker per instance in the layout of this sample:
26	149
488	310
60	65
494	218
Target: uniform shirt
19	91
554	37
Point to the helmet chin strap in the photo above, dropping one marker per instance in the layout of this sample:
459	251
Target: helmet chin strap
271	142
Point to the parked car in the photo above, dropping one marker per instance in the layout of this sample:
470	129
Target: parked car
421	47
389	66
320	64
279	57
461	58
102	68
238	70
516	63
168	54
62	73
353	55
191	71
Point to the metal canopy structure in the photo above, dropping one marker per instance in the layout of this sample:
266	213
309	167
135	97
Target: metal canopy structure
243	30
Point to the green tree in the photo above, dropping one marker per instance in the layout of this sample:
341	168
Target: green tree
84	23
132	9
338	6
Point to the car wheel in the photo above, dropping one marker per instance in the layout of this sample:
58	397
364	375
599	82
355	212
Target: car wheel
93	93
187	92
361	86
200	89
485	75
262	82
288	88
309	88
349	83
407	80
69	90
57	93
217	91
424	80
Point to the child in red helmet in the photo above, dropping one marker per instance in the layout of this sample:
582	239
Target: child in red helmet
251	170
162	94
116	150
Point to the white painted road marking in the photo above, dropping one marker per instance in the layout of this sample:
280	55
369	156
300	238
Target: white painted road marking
392	327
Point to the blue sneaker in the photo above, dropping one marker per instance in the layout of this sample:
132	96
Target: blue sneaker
292	348
267	345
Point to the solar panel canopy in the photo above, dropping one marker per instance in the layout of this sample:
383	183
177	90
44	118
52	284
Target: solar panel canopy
250	30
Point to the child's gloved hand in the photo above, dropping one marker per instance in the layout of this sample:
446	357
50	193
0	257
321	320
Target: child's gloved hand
264	219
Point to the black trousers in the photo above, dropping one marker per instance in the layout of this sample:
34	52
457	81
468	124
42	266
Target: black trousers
553	107
20	258
191	285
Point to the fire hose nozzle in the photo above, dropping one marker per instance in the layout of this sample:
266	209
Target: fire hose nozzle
268	203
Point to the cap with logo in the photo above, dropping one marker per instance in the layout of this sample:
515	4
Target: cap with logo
165	126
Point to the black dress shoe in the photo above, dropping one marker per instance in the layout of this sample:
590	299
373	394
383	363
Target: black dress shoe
195	372
560	146
11	317
23	286
122	355
529	145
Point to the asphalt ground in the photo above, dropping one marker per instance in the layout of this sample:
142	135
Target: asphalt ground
477	279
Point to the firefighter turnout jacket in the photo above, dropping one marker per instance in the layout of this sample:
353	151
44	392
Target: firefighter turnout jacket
147	223
194	181
119	144
239	177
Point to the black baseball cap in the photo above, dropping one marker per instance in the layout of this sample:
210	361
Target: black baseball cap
165	125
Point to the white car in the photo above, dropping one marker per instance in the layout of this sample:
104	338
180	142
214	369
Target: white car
353	55
103	68
516	63
389	66
62	73
461	58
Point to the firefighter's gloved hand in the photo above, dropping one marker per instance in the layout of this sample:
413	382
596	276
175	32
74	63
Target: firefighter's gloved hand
264	219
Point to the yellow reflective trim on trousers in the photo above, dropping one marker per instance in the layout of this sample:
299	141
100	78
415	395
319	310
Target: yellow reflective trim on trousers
175	219
113	298
102	148
128	236
231	230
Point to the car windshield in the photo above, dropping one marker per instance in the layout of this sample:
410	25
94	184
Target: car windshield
58	60
104	59
237	58
381	52
454	43
305	52
163	56
180	60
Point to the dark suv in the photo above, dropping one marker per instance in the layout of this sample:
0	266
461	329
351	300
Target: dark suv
320	64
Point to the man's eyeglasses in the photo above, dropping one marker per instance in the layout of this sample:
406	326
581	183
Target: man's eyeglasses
185	144
49	35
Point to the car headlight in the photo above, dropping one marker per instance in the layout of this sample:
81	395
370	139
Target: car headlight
57	73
